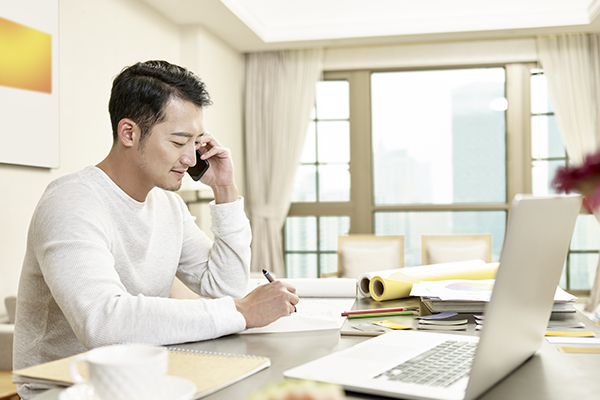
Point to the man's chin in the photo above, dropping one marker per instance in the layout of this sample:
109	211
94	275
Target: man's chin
172	187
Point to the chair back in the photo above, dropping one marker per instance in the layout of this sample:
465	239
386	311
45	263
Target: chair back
436	249
10	303
358	254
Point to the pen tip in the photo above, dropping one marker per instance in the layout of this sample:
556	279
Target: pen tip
264	271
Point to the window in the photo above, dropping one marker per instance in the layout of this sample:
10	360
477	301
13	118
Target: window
427	152
548	154
439	137
409	153
323	174
323	177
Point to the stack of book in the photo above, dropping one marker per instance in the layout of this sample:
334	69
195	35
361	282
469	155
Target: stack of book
436	305
471	297
452	325
451	322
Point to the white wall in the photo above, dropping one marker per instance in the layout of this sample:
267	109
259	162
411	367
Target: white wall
96	40
221	68
421	55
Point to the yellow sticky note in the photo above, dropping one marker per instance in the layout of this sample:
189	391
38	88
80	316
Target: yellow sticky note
593	350
391	325
570	334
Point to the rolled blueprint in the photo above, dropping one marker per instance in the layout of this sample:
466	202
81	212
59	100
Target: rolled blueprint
399	284
364	279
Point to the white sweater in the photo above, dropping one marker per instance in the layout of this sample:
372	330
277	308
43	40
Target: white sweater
99	267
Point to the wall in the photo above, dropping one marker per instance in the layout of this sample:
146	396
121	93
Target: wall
96	40
222	73
423	55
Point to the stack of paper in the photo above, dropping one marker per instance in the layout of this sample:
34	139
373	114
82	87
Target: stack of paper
321	303
471	296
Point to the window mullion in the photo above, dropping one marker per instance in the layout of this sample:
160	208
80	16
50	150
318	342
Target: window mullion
518	135
361	165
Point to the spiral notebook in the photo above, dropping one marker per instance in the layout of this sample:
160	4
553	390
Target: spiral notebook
209	371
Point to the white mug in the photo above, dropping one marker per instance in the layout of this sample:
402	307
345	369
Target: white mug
123	372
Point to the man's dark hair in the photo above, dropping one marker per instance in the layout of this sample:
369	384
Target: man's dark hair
141	91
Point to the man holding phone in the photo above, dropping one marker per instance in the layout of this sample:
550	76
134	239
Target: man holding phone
105	243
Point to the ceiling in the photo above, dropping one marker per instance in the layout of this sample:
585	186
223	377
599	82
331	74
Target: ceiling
255	25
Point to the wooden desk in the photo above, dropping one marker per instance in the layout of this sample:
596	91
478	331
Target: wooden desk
549	375
8	390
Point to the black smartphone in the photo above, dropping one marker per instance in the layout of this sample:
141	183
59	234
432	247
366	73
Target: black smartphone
199	169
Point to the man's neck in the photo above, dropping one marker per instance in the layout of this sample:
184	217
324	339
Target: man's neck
124	176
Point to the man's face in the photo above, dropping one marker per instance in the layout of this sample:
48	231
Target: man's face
170	147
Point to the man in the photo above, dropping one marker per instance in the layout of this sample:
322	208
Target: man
105	244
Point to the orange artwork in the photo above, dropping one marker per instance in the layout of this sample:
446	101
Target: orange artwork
25	57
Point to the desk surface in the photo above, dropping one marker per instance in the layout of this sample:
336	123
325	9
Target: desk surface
549	375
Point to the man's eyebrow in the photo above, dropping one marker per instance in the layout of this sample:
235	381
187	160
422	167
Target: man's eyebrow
182	134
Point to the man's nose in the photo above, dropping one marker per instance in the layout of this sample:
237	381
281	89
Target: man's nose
189	158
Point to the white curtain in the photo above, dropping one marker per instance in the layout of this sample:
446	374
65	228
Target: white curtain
280	93
571	64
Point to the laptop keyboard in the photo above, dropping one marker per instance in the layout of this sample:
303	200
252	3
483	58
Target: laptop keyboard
441	366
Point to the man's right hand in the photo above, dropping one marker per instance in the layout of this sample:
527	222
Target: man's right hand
267	303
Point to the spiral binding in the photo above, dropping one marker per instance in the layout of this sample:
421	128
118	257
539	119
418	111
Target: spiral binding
211	353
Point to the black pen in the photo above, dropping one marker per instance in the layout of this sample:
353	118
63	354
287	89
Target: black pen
270	279
267	275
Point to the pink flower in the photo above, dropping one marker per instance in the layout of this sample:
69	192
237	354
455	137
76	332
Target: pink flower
584	179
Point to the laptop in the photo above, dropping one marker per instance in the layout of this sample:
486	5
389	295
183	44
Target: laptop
537	239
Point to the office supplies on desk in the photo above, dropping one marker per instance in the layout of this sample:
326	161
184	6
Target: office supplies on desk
565	324
572	340
312	314
379	310
590	350
571	333
210	372
535	248
391	325
270	278
399	284
459	321
350	332
363	281
382	314
446	314
450	323
364	329
321	303
463	295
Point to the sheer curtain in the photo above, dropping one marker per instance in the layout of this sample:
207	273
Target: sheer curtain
571	64
280	93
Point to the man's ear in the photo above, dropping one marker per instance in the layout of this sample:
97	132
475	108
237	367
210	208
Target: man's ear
128	132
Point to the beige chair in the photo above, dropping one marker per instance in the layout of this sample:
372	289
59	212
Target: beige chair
437	249
357	254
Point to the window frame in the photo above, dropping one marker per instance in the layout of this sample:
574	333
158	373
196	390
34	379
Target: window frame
361	208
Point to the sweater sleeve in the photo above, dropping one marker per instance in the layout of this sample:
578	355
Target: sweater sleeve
74	253
221	268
